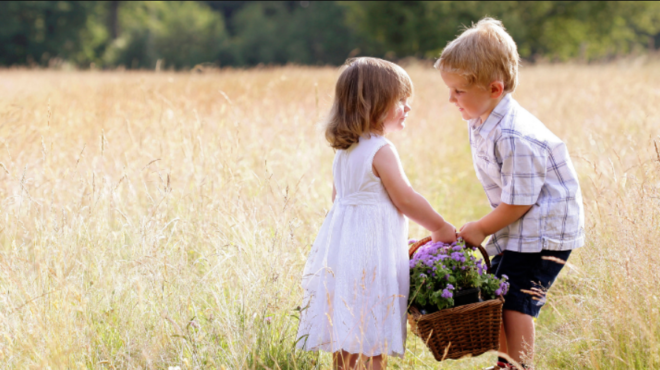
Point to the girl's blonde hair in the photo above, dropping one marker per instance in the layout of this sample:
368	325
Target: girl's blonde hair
366	90
482	54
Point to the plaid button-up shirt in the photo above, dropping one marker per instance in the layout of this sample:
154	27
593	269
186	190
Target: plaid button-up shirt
520	162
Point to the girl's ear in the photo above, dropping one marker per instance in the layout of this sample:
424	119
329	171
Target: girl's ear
496	89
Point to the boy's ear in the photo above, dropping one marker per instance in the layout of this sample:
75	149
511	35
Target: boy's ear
496	89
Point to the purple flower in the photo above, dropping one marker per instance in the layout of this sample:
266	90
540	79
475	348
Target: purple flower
446	294
435	268
447	276
504	276
504	287
498	292
433	274
457	248
450	287
412	241
456	256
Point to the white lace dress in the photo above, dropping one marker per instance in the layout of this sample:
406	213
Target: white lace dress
356	279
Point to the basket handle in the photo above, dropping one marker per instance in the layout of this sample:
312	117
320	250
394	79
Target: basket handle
415	246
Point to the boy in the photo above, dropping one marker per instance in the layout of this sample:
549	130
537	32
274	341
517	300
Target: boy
537	216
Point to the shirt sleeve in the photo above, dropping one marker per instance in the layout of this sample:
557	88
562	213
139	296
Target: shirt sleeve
523	169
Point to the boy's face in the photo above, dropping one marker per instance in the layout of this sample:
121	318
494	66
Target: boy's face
472	101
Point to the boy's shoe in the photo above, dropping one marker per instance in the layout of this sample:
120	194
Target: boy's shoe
500	366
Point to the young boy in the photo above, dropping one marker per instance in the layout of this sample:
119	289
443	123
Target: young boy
537	217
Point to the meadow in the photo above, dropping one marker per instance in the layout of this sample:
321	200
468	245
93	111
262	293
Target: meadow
162	220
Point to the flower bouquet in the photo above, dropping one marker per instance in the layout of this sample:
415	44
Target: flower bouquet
455	303
449	275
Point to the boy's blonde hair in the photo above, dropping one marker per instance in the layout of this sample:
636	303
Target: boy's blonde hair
366	90
482	54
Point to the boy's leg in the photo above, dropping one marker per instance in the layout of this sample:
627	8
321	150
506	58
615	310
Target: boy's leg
501	361
530	276
504	348
519	329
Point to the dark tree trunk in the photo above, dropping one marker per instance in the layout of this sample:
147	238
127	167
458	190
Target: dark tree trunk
113	23
654	42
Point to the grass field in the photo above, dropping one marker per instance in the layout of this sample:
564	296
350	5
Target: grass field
155	220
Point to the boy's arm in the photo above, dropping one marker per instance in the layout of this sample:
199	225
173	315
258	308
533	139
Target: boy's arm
387	166
499	218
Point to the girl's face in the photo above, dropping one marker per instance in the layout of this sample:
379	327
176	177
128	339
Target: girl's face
396	117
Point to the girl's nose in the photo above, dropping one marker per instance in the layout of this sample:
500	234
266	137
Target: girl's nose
452	98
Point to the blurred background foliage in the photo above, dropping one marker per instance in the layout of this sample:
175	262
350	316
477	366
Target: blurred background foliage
246	33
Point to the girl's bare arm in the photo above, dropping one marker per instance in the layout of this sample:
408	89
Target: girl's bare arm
387	166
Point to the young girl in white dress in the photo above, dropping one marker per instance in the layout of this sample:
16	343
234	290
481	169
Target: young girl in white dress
356	278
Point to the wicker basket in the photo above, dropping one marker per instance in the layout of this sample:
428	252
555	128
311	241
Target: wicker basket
456	332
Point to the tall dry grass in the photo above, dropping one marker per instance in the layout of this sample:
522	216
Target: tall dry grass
163	220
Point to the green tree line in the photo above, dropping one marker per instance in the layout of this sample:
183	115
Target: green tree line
246	33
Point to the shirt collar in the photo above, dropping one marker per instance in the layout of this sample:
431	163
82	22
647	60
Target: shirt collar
494	117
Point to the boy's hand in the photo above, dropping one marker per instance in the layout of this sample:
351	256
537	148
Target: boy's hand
499	218
472	233
445	234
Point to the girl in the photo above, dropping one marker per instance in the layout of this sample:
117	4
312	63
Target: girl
357	276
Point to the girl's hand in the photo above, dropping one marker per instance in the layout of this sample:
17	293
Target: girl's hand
472	233
445	234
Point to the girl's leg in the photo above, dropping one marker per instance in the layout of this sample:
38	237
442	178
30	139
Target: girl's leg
343	360
354	361
377	363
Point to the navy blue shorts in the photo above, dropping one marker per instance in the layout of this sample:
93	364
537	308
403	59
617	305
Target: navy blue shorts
530	276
